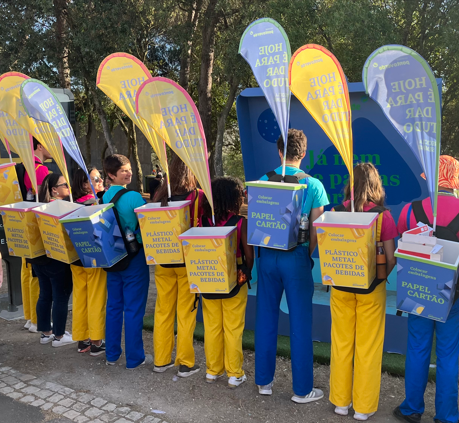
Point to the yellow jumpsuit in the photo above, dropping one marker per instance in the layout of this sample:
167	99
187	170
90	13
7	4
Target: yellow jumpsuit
89	303
224	322
30	292
357	339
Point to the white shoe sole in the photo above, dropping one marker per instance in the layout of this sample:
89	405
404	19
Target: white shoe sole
213	379
299	400
265	391
188	374
46	340
33	330
363	419
63	344
232	386
162	369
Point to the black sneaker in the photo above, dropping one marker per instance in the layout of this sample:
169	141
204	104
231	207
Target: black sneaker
412	418
185	371
84	346
97	350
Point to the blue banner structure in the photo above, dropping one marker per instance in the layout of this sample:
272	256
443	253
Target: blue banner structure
41	104
403	84
265	47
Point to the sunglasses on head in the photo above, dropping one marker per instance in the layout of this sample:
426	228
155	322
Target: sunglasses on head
66	185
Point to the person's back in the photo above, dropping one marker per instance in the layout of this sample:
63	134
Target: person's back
291	271
420	329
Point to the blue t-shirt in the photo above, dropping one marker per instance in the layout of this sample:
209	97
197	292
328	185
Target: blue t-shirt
315	196
125	207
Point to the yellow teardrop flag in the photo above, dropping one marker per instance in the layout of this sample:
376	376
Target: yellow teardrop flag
171	112
318	81
20	142
120	75
10	102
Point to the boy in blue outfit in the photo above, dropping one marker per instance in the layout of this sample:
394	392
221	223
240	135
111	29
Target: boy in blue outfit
290	271
127	289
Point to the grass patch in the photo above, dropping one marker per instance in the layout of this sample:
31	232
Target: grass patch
393	364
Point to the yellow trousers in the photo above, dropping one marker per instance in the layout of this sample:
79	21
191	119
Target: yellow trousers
30	292
357	335
224	322
89	303
173	297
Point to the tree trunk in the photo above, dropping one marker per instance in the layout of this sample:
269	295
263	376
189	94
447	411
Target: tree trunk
103	120
102	156
207	63
185	59
221	124
135	155
60	11
88	138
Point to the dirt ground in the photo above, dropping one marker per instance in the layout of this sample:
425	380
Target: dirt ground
188	400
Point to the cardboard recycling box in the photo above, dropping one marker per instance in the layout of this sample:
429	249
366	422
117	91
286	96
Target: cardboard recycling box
21	229
210	257
95	235
160	228
425	287
55	239
347	248
274	214
10	191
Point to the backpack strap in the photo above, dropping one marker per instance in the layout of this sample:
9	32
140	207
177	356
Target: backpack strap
380	210
233	220
419	213
119	194
196	206
408	216
340	208
289	179
270	174
453	226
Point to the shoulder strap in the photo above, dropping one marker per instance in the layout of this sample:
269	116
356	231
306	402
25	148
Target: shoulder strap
408	216
205	222
196	207
289	179
419	213
233	220
119	194
271	173
377	209
453	226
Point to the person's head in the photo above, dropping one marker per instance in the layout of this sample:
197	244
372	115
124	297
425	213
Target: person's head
367	187
296	146
228	196
96	179
181	179
40	151
118	169
81	185
448	173
54	187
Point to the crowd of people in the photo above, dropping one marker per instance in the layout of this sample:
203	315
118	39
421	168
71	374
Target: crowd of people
104	301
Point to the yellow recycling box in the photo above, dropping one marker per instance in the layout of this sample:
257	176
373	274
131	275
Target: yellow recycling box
10	191
160	228
58	245
210	257
347	248
21	229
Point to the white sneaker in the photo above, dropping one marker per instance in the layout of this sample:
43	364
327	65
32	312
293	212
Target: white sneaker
162	369
265	389
65	340
212	378
148	360
27	325
314	395
362	416
343	411
46	339
234	382
33	328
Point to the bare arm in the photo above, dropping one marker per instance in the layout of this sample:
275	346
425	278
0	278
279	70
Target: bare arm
389	248
248	249
315	213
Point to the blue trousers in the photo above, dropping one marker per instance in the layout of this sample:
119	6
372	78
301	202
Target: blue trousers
127	293
55	280
289	271
420	337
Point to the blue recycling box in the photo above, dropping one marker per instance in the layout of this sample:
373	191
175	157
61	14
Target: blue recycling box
96	236
425	287
274	213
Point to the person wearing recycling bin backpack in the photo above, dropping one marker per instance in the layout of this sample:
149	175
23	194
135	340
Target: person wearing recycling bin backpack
359	315
129	279
289	271
420	329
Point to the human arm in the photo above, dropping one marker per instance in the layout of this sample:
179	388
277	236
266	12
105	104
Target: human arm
391	261
315	213
248	249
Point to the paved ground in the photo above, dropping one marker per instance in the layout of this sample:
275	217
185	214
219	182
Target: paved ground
62	385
